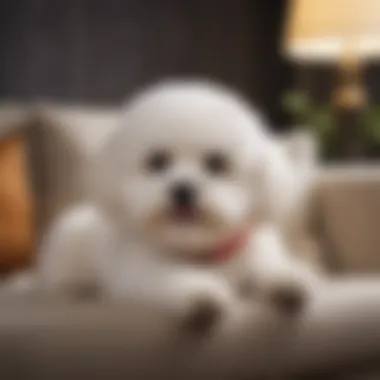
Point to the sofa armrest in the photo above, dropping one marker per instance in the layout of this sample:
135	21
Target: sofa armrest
47	339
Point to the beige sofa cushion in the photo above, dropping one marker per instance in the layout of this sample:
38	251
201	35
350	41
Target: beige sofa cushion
349	206
62	140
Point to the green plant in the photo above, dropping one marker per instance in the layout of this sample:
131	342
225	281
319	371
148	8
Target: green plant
323	121
371	123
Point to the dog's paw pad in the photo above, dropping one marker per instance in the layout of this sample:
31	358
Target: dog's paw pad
202	316
288	297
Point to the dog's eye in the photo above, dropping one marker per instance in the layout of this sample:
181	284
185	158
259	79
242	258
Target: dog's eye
216	163
158	161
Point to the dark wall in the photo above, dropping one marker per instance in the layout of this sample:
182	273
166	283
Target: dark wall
98	51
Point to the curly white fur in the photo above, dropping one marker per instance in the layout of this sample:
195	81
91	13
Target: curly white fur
126	240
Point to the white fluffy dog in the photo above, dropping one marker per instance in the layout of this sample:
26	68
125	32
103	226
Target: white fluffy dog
188	198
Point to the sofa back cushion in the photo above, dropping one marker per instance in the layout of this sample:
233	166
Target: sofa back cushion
348	206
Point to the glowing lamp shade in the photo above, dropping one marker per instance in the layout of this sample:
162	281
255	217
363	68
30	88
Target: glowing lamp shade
324	30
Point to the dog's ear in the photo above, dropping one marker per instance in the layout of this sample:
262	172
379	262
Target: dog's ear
302	150
289	169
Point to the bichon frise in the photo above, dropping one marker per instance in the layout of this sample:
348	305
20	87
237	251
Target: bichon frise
185	196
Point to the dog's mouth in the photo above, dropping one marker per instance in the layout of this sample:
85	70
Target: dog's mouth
184	215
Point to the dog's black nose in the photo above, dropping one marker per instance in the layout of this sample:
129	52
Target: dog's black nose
183	194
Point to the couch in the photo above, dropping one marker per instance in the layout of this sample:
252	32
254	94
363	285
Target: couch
338	337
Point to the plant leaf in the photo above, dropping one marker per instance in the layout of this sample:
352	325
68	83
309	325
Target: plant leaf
323	120
296	102
371	124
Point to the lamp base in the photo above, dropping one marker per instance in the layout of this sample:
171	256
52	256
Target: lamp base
350	100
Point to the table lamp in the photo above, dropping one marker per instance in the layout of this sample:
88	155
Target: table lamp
346	32
343	32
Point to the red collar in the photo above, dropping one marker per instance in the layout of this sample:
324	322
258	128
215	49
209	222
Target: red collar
231	247
225	251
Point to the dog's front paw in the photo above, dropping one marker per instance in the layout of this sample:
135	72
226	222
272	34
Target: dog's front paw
287	295
201	315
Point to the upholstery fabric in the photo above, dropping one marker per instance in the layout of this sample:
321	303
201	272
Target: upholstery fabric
47	339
